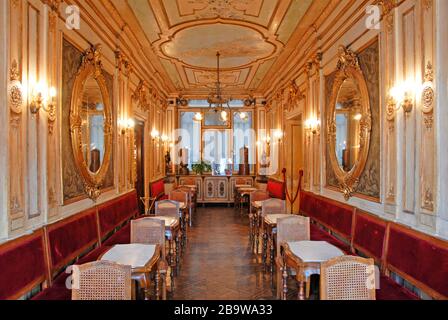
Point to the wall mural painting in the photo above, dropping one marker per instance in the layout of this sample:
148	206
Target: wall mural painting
369	183
73	188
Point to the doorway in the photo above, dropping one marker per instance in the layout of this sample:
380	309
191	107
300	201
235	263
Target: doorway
294	158
139	133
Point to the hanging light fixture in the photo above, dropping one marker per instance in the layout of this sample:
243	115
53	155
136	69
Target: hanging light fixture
215	100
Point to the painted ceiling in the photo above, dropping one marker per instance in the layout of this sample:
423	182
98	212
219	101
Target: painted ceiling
186	34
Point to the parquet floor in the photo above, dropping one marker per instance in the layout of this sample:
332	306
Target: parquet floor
218	263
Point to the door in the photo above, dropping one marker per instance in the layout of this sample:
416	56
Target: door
139	133
294	158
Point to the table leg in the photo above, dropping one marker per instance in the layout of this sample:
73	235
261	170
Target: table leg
251	232
301	293
157	284
284	281
147	284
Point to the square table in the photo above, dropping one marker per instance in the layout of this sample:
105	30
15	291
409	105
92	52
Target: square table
143	259
305	257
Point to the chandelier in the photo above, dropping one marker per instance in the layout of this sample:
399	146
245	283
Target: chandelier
215	100
218	103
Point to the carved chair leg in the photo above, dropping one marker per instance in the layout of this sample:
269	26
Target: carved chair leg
265	250
272	253
177	254
301	292
147	285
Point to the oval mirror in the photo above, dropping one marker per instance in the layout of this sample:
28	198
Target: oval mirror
348	114
91	123
92	117
349	122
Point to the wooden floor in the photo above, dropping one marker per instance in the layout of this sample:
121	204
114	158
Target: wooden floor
218	263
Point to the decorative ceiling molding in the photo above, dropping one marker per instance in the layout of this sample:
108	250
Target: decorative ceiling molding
185	35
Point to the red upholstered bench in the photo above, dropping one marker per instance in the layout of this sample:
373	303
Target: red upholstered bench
157	190
67	240
369	239
22	265
113	215
420	259
335	216
276	189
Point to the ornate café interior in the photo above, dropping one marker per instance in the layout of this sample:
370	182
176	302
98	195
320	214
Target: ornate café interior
223	150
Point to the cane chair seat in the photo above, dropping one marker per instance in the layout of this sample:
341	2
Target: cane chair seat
102	280
347	278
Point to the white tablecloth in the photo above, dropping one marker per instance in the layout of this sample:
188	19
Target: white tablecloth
272	218
169	221
169	205
314	251
134	255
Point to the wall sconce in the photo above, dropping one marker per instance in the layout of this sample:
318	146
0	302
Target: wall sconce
312	125
402	96
155	135
126	125
198	117
43	99
278	135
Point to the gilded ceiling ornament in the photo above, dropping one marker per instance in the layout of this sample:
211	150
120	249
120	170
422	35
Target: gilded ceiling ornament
54	10
123	63
92	57
347	58
141	95
387	6
294	95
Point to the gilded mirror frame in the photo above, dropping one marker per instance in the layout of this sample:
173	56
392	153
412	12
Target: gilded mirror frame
348	68
91	66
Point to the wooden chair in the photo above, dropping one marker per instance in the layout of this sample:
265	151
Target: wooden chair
347	278
152	231
254	215
170	208
102	280
191	203
270	207
184	197
290	229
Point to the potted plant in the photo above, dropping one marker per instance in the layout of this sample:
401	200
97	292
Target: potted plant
201	167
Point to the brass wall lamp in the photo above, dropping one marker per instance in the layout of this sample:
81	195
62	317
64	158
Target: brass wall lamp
42	98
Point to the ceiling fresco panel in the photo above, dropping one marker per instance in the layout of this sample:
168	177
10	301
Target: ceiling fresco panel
251	35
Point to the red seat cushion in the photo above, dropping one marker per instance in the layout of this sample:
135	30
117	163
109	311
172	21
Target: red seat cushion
317	234
420	257
157	188
54	294
122	236
22	265
93	255
390	290
276	189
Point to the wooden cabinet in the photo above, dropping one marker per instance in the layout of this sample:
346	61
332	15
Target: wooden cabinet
215	189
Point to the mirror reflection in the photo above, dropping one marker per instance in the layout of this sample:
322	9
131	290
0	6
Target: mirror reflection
92	115
348	117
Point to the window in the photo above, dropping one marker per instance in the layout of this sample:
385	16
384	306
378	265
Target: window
243	136
190	135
